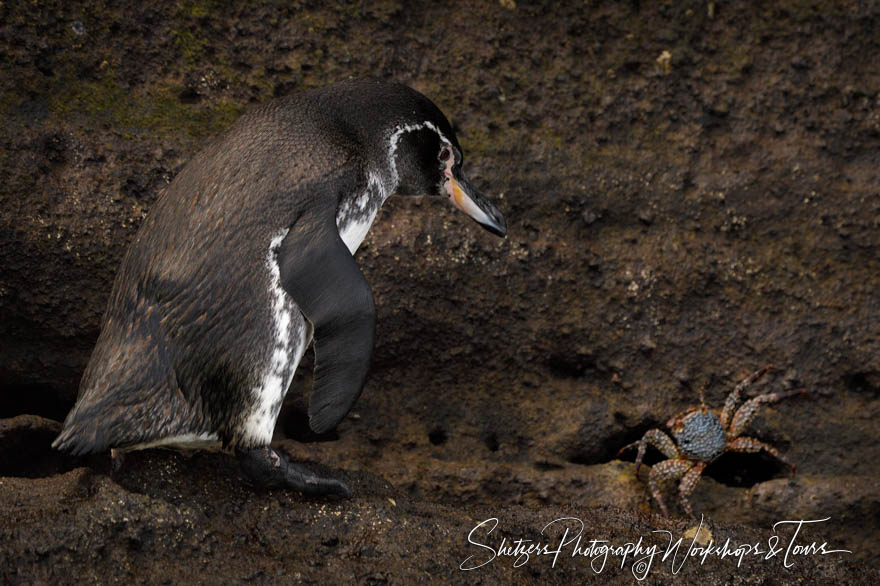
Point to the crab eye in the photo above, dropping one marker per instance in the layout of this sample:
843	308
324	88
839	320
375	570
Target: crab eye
444	154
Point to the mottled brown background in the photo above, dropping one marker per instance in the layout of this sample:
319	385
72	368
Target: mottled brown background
670	226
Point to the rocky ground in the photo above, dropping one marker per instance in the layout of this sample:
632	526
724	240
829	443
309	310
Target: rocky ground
689	197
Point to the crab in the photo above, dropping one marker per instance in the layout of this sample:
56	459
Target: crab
701	435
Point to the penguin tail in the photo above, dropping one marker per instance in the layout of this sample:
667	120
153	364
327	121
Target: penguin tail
98	423
76	440
128	396
96	426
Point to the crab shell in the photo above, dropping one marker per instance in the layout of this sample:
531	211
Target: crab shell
699	434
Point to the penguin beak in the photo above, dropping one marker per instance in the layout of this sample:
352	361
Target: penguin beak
468	199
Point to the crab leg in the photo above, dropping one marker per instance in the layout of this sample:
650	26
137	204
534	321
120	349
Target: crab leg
656	438
688	483
733	397
746	413
751	445
666	470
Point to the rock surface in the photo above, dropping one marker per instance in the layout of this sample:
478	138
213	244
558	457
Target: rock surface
169	518
689	198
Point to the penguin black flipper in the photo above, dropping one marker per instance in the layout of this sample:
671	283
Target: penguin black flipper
319	273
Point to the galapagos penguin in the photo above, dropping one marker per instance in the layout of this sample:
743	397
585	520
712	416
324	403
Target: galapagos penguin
247	258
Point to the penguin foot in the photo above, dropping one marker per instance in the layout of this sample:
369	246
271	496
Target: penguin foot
117	459
269	468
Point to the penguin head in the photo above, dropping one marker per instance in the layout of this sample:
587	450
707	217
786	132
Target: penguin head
429	161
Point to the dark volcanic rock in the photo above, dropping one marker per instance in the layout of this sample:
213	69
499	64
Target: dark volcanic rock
676	221
170	518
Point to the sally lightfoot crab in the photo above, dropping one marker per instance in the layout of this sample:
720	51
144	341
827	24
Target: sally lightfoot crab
701	436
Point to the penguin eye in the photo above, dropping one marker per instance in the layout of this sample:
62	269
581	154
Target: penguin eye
444	154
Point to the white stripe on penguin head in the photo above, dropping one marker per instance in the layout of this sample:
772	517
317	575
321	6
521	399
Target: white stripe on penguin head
395	138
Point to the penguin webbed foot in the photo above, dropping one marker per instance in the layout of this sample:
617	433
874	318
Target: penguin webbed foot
268	468
117	459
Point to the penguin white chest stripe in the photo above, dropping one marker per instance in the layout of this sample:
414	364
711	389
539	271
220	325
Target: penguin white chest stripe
288	343
356	215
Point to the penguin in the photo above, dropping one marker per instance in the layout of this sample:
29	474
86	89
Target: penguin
246	259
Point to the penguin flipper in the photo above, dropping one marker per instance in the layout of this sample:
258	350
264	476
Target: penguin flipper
319	273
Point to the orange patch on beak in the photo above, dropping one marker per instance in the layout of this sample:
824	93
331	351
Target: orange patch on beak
457	194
